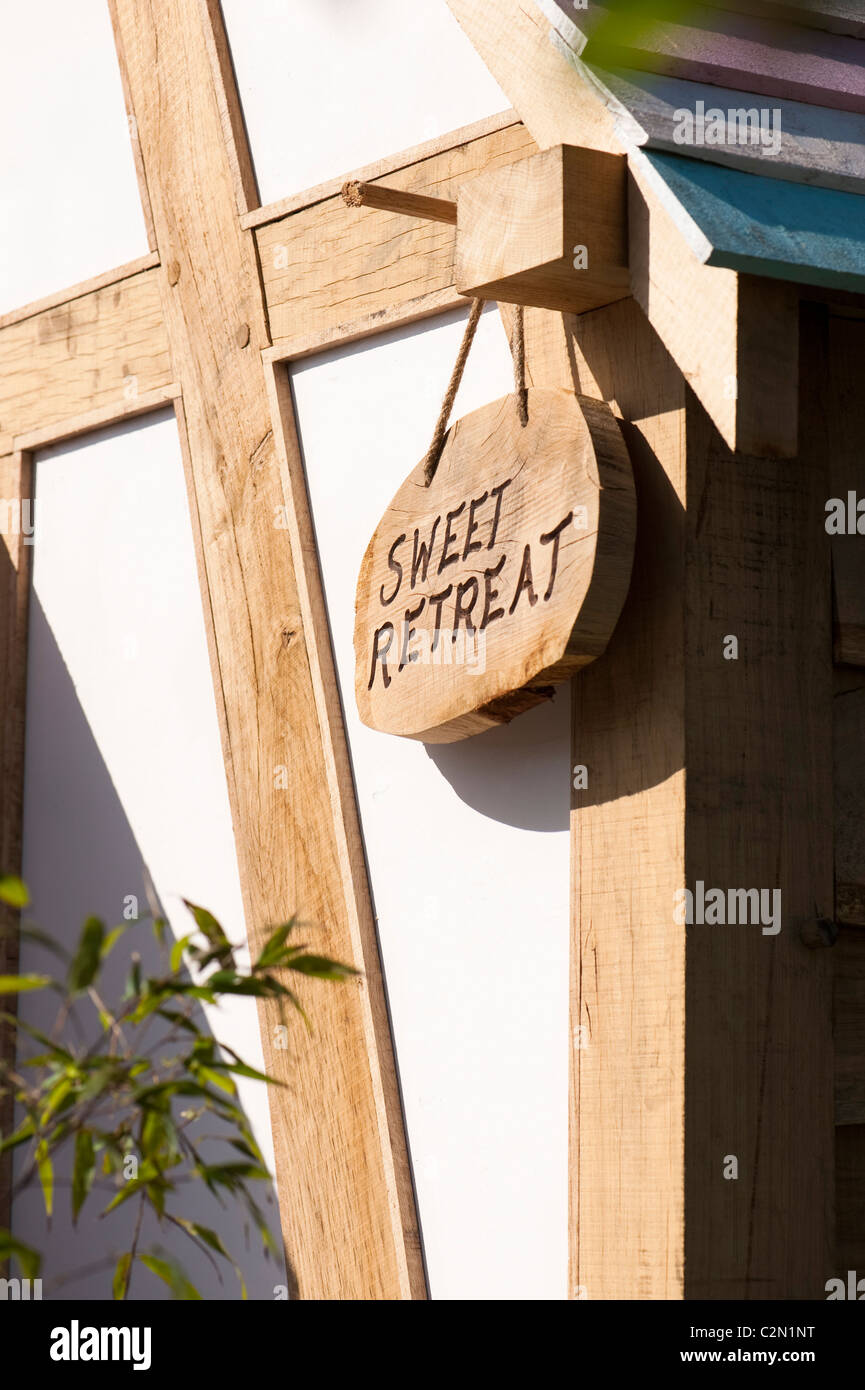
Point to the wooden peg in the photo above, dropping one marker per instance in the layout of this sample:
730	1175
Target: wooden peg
375	195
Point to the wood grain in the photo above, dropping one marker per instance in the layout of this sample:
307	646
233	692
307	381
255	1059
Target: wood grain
388	164
16	551
502	577
628	1061
549	231
849	1023
759	1008
849	818
348	840
694	308
734	338
100	352
331	272
686	1037
850	1201
356	194
845	435
512	38
627	971
235	140
143	193
79	291
348	1223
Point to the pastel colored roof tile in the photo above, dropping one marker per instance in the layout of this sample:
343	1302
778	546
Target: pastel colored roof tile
750	116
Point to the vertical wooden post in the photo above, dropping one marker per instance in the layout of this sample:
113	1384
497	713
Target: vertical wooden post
342	1171
628	956
694	1045
16	550
708	760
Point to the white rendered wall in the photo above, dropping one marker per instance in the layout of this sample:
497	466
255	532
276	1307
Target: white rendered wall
330	85
468	851
69	201
124	769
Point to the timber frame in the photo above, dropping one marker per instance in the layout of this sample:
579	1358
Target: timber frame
211	332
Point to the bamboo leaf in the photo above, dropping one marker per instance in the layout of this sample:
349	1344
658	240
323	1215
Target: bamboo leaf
46	1174
18	984
112	939
13	891
24	1132
209	927
219	1079
82	1172
121	1273
322	967
85	963
171	1274
59	1092
29	1260
177	951
275	945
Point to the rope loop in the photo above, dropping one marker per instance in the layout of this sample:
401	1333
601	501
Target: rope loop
518	352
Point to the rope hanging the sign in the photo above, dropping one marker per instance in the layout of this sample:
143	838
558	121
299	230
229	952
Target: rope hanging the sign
518	352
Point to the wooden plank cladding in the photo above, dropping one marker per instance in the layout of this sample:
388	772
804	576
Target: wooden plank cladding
849	1027
798	142
98	356
770	58
850	1199
836	16
849	796
332	272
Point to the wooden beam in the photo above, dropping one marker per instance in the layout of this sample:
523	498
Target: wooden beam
549	231
347	836
628	979
680	296
512	38
246	195
143	193
759	1052
97	352
331	273
348	1220
750	354
389	164
16	550
686	1037
98	356
81	290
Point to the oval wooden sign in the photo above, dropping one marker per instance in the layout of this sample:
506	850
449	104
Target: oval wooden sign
506	575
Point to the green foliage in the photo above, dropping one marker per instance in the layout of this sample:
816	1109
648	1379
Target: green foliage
627	22
12	891
126	1116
